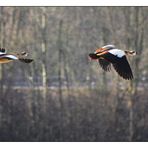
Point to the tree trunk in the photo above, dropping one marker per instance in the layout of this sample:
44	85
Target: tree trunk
59	43
60	63
2	42
44	51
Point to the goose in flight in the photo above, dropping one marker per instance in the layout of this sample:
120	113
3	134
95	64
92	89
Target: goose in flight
5	58
109	55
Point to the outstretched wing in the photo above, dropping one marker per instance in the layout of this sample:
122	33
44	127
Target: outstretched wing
123	68
104	64
120	64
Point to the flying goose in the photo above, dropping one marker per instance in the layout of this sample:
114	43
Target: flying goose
109	55
5	58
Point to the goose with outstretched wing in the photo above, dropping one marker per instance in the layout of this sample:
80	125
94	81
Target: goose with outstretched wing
109	55
6	58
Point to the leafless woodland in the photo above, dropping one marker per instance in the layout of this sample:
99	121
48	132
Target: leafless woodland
62	95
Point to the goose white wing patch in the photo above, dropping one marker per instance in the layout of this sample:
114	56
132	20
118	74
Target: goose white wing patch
109	46
1	53
117	52
11	57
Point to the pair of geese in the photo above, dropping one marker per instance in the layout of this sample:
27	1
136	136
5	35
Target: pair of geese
107	55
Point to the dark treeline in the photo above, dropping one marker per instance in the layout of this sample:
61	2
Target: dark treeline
62	96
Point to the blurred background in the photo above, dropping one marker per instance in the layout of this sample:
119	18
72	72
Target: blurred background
62	95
